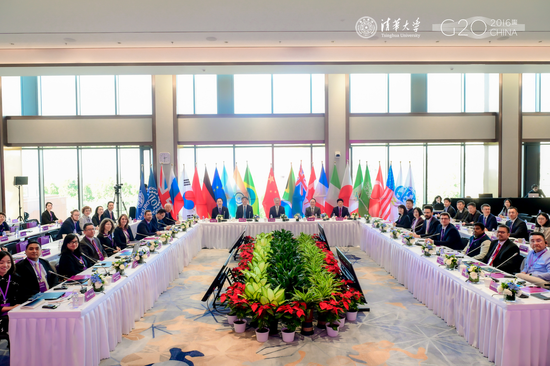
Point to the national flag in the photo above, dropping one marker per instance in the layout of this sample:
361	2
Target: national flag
364	198
321	189
217	186
229	189
333	192
347	187
240	192
300	191
253	198
357	187
200	203
410	192
388	202
399	188
208	193
188	196
310	188
286	202
164	188
153	200
376	194
142	197
175	195
271	192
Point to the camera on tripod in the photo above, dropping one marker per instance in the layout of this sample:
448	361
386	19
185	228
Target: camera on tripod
118	187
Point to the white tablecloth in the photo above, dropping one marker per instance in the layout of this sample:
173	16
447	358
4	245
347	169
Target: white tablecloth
508	334
84	336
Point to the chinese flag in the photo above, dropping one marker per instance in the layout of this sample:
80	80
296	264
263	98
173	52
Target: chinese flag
199	198
271	192
376	195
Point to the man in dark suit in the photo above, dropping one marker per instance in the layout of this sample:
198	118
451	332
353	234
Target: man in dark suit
502	250
448	208
473	214
108	213
276	211
244	211
488	219
313	210
90	245
146	227
168	219
430	227
220	209
70	225
518	228
340	210
34	272
409	205
448	234
158	220
461	211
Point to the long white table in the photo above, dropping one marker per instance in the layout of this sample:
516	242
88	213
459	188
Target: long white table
508	334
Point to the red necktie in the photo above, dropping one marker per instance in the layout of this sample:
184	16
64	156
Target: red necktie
340	214
495	254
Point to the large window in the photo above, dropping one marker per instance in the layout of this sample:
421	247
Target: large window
97	95
61	185
58	95
98	175
380	93
535	92
197	94
444	171
445	93
135	95
11	95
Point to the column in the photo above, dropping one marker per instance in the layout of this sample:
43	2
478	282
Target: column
165	129
510	137
337	129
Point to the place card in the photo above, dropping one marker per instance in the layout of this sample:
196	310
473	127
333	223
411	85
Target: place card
4	238
440	261
271	219
135	264
311	218
23	233
339	219
90	294
533	290
46	252
14	221
493	286
213	220
242	220
116	277
524	248
465	272
45	227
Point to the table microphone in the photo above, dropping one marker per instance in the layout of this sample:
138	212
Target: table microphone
82	288
497	267
93	260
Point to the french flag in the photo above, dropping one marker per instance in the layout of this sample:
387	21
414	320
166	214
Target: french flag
175	195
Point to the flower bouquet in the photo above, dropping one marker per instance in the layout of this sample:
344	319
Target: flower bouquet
165	238
474	272
256	218
384	227
395	233
354	216
367	218
98	281
428	249
120	266
376	223
142	255
284	217
325	217
219	218
408	239
297	217
451	262
509	290
153	245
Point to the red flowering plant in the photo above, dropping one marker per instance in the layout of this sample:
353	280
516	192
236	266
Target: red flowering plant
292	314
331	264
263	314
235	300
332	309
247	253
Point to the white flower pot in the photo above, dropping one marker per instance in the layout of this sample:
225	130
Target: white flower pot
288	336
342	321
351	316
262	336
331	332
231	318
238	326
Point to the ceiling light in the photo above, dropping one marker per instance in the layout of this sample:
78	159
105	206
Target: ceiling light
119	42
503	38
69	39
211	39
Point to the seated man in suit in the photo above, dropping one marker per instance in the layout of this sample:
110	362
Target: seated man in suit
34	272
313	210
90	246
448	234
71	225
276	211
502	250
473	214
220	209
409	205
108	213
488	219
340	210
537	263
430	227
461	211
244	211
158	222
479	243
518	228
448	208
168	219
146	227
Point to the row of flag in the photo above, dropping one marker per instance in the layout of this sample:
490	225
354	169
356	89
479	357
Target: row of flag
189	198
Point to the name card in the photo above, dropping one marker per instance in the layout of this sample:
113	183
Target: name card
496	275
524	248
14	221
116	277
160	245
440	261
271	219
457	226
90	294
4	238
311	218
465	272
135	220
135	264
46	252
213	220
45	227
493	286
23	233
242	220
339	219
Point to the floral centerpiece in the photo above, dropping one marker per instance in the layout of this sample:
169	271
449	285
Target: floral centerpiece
325	217
165	238
384	227
219	218
284	217
256	218
510	290
153	245
142	255
474	272
451	261
120	266
376	223
354	215
408	239
428	249
367	218
395	233
297	217
98	281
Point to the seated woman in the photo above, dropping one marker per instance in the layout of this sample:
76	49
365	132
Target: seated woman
504	212
96	219
48	216
10	296
3	224
105	237
71	260
85	218
123	234
403	220
418	220
543	225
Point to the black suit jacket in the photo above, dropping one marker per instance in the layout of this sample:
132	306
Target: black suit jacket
274	214
107	216
461	216
472	218
168	219
491	222
109	245
216	212
519	229
29	281
417	225
432	229
508	249
451	238
45	218
410	213
403	221
96	220
451	211
145	229
120	238
316	212
336	211
249	212
68	227
69	265
87	248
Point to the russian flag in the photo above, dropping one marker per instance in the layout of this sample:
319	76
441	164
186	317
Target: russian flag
175	195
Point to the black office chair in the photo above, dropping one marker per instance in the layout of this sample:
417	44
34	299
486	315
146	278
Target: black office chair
464	242
132	212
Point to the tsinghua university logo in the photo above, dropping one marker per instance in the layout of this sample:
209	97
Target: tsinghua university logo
366	27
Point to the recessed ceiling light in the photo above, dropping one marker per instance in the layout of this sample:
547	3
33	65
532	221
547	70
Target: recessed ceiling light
69	39
436	41
226	42
211	39
332	41
503	38
13	44
540	41
119	42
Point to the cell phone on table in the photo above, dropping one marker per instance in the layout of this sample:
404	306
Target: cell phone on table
50	306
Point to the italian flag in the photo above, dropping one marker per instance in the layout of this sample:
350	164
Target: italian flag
333	191
345	191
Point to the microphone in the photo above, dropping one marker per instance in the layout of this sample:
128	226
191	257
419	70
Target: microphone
82	287
93	260
497	267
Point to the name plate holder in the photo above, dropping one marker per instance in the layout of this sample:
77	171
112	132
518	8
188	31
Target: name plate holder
440	261
46	252
213	220
524	248
271	219
44	228
135	264
4	238
242	220
311	218
465	272
493	286
339	219
90	294
23	233
116	277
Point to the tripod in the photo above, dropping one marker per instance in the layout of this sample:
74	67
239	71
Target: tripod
20	217
117	199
